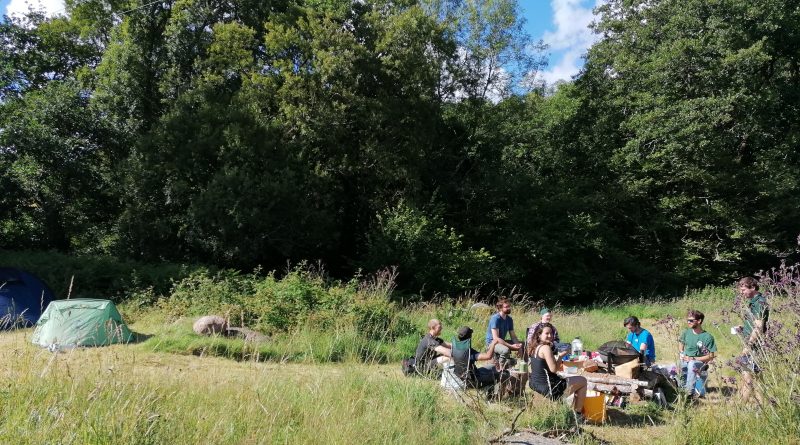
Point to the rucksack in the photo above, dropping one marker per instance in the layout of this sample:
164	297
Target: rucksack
408	366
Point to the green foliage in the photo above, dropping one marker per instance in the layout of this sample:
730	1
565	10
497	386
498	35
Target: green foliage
411	133
95	276
429	255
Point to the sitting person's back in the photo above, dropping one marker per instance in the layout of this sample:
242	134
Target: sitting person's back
465	359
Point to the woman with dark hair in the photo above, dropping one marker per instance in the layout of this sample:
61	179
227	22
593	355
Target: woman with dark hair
544	365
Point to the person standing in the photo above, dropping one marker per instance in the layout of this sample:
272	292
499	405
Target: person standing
697	350
755	315
641	340
501	332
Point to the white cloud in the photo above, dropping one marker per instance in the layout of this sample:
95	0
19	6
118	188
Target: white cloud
20	7
571	38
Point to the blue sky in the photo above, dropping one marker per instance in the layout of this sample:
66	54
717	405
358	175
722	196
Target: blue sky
560	23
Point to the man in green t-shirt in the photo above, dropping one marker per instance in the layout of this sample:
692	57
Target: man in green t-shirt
755	314
697	350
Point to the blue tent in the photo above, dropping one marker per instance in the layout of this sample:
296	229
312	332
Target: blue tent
22	298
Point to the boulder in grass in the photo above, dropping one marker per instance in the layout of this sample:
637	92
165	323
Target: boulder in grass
248	335
210	324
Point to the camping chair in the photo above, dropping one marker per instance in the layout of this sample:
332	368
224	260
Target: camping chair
463	366
525	357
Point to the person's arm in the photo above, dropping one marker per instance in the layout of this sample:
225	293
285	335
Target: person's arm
643	345
705	359
496	338
489	354
441	350
447	345
515	345
712	351
755	335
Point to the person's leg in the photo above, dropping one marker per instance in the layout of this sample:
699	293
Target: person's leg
576	386
485	376
502	354
692	369
749	387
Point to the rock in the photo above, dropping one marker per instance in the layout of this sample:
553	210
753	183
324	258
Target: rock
248	335
210	324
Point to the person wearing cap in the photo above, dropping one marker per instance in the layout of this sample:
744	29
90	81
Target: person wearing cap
547	317
501	328
486	375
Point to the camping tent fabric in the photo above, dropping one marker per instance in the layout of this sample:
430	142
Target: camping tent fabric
81	322
22	297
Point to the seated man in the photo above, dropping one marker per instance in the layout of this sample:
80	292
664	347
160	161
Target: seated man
432	351
465	366
641	340
501	326
697	349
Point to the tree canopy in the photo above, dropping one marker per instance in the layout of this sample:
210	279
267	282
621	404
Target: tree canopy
369	134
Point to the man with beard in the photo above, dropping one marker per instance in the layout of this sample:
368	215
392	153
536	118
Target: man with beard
501	331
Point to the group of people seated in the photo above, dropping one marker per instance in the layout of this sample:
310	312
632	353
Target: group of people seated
545	353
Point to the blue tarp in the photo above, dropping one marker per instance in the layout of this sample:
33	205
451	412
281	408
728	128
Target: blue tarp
22	298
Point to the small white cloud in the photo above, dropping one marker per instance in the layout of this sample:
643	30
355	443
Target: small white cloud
572	36
21	7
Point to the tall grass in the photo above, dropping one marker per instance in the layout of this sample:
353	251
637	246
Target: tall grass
330	369
119	395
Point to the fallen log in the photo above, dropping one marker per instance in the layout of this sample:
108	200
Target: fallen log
614	380
611	389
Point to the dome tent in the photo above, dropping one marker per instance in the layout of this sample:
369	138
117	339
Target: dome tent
22	297
81	322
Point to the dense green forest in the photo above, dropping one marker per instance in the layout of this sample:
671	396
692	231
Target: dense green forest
408	133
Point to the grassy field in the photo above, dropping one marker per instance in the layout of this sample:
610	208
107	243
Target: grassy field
329	371
317	387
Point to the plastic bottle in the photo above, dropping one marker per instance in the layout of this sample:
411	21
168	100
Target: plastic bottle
577	347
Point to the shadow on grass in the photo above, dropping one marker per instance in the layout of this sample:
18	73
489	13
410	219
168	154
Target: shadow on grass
634	416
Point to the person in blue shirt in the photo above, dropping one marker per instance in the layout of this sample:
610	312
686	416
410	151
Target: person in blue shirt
501	332
641	340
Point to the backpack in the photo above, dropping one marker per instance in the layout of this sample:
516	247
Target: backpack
408	366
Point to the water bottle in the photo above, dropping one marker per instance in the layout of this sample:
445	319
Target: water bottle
577	347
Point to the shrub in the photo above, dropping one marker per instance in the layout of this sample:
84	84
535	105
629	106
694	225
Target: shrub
429	254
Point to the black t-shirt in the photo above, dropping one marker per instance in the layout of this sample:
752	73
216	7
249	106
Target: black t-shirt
426	353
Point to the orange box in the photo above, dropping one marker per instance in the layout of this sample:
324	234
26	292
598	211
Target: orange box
594	407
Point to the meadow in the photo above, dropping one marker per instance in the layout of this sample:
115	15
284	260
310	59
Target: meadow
330	372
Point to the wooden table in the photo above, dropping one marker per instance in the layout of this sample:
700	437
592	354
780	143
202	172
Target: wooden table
612	384
512	385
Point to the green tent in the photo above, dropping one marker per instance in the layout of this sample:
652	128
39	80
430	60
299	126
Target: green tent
80	322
